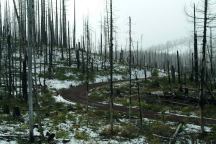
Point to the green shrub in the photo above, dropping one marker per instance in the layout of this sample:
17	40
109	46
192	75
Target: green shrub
155	73
62	134
107	131
59	118
125	131
129	131
155	84
81	135
161	129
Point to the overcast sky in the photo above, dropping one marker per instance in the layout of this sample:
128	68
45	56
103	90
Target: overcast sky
157	20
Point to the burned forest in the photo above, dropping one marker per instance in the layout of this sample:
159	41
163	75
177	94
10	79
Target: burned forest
107	72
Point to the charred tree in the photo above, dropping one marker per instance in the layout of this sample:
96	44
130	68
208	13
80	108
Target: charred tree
203	66
179	69
196	61
130	67
111	68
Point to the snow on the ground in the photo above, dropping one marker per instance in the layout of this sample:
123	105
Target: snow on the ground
58	84
140	140
162	74
70	74
35	132
157	93
11	130
117	104
195	128
100	79
107	102
60	99
179	113
7	142
140	74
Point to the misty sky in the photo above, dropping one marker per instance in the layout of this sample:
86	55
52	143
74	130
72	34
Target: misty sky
157	20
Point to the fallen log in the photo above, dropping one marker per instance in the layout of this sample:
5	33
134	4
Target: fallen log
173	140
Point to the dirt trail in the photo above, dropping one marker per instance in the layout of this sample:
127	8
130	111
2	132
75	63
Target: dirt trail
78	95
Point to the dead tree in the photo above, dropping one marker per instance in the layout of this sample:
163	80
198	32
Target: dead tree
64	27
111	67
168	71
203	66
173	73
87	65
179	69
83	59
211	60
74	35
140	106
78	56
51	32
56	25
196	61
130	64
30	47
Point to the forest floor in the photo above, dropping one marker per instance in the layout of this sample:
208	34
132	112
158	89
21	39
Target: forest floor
65	113
79	95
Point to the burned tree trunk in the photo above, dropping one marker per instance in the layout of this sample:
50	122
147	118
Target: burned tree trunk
179	69
168	71
203	69
111	68
196	61
130	63
78	56
30	47
173	73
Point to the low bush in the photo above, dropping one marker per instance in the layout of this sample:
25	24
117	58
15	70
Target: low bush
81	135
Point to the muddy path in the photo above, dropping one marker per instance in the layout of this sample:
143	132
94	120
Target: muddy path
79	95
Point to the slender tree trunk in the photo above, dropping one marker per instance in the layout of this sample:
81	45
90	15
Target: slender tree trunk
192	67
203	69
87	68
196	61
56	27
179	70
111	68
78	56
211	60
130	57
168	70
74	29
140	106
30	47
83	59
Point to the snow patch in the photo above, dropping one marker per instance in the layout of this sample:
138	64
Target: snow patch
195	128
58	84
60	99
